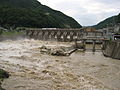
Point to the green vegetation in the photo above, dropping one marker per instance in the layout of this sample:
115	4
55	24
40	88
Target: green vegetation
31	13
12	33
114	20
1	31
3	75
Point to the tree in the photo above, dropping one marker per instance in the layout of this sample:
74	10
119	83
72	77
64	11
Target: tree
1	31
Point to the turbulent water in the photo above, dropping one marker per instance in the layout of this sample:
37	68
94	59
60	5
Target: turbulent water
31	70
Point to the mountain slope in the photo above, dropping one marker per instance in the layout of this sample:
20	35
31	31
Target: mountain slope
31	13
108	22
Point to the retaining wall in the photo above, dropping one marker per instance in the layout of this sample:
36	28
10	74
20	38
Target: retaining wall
112	49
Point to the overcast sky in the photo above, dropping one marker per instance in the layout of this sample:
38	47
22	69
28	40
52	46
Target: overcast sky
86	12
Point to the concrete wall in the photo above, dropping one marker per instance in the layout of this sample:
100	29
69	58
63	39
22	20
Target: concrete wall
112	49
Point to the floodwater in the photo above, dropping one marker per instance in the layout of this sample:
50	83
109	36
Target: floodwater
31	70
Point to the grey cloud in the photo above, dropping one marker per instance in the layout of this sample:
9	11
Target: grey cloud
84	15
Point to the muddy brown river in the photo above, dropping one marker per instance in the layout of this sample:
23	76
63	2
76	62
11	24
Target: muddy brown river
31	70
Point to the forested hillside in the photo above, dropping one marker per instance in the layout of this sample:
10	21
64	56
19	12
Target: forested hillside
31	13
111	21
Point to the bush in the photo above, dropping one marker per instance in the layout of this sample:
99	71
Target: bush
1	31
3	74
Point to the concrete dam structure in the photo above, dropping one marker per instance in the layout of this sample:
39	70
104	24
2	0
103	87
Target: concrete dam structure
62	34
112	49
67	35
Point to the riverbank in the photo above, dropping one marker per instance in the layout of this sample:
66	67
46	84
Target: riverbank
31	69
13	35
